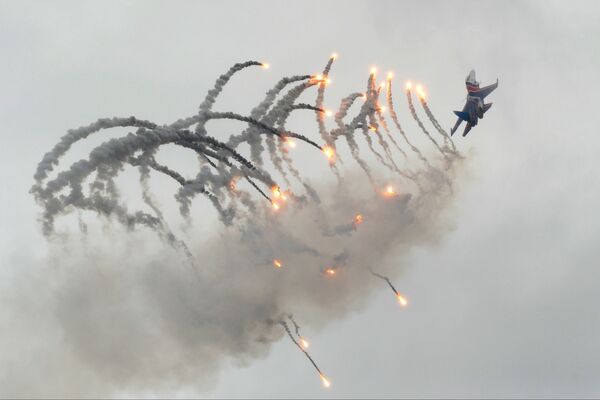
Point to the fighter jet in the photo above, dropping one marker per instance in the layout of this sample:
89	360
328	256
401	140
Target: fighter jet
475	107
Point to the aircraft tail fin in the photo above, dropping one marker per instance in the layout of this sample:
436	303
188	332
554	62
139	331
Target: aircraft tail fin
462	115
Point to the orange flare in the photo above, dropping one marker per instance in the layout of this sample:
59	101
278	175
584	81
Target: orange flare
330	271
382	109
389	191
277	263
276	191
390	75
372	128
373	70
420	91
358	219
334	56
304	343
329	152
402	300
289	142
326	382
275	206
382	85
329	113
408	85
232	184
265	65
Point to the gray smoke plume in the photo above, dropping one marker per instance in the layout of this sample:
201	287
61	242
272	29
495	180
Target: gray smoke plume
121	312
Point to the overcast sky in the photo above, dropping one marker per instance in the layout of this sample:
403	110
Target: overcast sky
505	306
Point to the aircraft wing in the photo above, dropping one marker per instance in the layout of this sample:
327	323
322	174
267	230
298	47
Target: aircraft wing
484	91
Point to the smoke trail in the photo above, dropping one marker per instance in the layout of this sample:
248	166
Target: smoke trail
148	198
212	94
394	117
319	102
258	113
287	330
386	129
399	296
418	121
52	157
447	138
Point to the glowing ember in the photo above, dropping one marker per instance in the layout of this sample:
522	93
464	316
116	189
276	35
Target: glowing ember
232	184
364	96
289	142
276	191
402	300
358	219
334	56
304	343
420	91
382	109
390	75
277	263
330	271
372	128
382	85
329	113
408	85
275	206
265	65
389	191
329	152
373	70
326	382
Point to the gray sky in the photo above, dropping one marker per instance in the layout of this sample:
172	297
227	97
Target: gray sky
505	305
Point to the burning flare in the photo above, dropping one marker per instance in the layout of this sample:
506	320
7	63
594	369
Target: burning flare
329	152
304	343
408	85
277	263
276	191
265	65
402	300
233	184
389	191
326	382
358	219
289	141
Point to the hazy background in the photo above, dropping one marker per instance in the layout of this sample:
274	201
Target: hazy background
507	305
